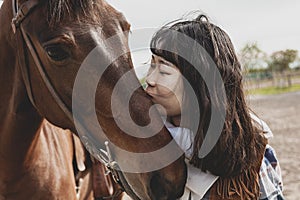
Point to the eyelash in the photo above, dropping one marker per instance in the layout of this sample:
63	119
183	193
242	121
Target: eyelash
152	65
164	73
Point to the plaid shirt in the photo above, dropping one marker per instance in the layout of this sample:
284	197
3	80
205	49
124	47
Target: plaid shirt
270	181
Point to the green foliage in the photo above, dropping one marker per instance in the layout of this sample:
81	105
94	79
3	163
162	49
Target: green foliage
252	57
143	82
281	60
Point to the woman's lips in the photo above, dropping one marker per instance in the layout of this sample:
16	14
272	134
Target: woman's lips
155	95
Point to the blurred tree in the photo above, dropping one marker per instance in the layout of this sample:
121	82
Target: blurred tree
252	58
280	61
296	64
296	68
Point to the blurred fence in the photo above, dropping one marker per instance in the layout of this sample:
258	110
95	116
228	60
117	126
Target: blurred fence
268	79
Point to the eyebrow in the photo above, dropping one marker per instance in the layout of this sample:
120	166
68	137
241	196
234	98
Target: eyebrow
163	62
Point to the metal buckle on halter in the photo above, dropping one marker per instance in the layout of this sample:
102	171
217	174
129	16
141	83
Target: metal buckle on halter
21	14
110	164
15	24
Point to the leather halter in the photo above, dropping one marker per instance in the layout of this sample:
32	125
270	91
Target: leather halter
19	14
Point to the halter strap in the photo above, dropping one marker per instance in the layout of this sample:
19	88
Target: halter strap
21	13
113	168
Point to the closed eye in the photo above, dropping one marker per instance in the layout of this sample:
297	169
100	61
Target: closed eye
164	73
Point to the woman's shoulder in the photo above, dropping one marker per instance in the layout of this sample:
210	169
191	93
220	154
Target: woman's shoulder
263	125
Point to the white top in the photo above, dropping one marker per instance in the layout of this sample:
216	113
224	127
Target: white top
198	182
268	133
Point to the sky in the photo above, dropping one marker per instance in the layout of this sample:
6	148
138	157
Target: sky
272	24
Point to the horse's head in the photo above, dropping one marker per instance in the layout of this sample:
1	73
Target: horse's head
60	34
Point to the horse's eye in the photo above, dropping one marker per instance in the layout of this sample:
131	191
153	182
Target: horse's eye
57	53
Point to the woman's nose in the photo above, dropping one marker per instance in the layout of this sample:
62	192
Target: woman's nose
150	82
151	79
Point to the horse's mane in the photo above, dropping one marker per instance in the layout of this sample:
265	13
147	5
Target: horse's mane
80	10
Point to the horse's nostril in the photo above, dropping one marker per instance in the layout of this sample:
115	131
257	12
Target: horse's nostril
158	192
167	186
156	189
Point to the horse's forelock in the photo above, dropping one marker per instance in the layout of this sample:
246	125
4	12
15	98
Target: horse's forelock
80	10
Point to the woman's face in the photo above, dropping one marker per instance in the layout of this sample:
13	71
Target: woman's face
165	86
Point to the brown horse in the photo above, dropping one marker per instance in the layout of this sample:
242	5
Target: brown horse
37	80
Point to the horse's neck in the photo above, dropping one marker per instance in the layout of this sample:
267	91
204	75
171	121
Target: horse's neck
19	121
32	151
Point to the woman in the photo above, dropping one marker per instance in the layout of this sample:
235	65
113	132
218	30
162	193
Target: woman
183	81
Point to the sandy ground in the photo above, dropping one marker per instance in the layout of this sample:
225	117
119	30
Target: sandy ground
282	113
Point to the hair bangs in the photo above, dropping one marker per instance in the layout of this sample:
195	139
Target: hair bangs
164	44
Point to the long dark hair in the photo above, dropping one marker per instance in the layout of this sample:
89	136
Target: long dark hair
241	144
